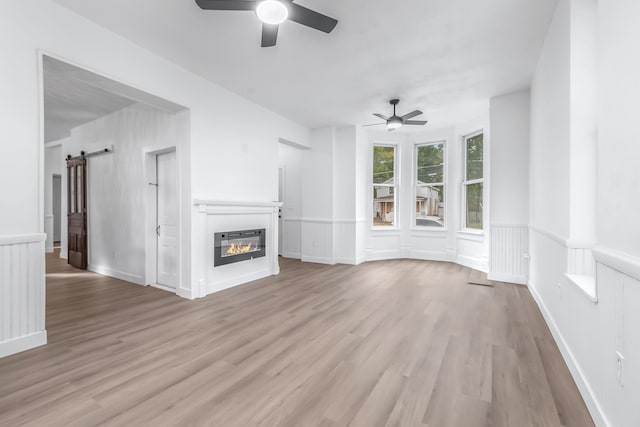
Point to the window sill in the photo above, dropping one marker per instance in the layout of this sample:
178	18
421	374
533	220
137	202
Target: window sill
383	229
471	231
587	284
430	229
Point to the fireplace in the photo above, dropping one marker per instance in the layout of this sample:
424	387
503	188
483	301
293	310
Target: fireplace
236	246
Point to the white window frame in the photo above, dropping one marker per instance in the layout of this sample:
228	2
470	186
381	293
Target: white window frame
395	187
466	183
414	226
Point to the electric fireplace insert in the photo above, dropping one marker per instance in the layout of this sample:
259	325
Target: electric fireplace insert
236	246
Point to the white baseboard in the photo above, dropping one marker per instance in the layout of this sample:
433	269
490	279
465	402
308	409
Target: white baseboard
499	277
24	343
481	264
185	293
237	280
383	255
293	255
64	255
318	259
594	407
48	249
431	255
348	261
139	280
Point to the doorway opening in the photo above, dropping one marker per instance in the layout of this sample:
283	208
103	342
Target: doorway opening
99	211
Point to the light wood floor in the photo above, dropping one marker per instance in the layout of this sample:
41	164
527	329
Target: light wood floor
391	343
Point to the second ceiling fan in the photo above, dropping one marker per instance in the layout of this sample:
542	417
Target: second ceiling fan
394	122
272	13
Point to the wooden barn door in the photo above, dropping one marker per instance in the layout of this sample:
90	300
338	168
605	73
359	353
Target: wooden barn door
77	211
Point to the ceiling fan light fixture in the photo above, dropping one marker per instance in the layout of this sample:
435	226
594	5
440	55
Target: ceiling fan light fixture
394	123
272	12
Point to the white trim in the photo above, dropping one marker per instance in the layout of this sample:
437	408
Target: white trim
476	263
466	235
317	220
550	235
318	260
164	288
106	271
619	261
185	293
20	344
586	284
222	203
427	255
499	277
18	239
594	407
218	286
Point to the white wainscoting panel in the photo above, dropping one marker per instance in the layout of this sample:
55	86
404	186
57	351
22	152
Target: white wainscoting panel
317	240
509	247
590	332
291	237
22	293
580	261
344	241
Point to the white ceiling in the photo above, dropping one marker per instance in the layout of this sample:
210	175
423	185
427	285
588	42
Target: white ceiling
73	96
445	57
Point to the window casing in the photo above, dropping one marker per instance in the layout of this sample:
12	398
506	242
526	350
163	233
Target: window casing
473	182
429	190
385	186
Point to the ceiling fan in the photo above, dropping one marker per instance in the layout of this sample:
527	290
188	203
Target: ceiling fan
395	121
272	13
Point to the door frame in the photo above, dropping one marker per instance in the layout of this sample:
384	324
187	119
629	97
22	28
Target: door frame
150	215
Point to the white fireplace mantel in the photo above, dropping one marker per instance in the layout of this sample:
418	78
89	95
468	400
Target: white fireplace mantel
217	216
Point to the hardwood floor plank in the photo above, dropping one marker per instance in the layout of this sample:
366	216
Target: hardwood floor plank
388	343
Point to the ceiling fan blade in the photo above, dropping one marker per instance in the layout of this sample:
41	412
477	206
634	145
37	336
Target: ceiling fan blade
310	18
385	118
414	122
411	115
227	4
374	124
269	35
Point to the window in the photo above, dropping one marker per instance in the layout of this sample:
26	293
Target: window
473	184
384	186
429	195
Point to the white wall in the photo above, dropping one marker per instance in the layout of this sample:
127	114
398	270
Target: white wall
227	159
509	177
590	323
618	148
549	153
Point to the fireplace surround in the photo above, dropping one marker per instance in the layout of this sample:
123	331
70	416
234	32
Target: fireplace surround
213	216
236	246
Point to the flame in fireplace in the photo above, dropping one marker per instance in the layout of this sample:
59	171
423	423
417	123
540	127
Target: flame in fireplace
240	248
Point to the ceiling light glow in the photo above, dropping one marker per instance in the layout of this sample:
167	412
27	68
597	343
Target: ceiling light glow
394	123
272	12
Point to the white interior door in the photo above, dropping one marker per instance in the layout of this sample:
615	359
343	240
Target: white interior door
167	227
